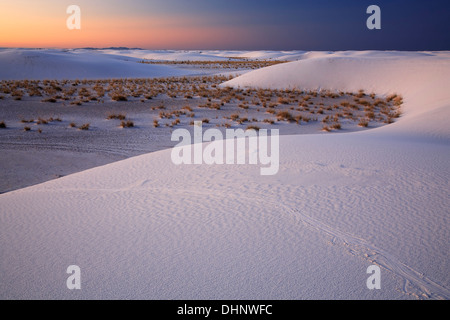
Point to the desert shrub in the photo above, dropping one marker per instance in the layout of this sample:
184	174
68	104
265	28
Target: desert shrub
378	102
253	127
116	116
285	115
42	121
119	97
282	100
3	125
360	94
84	126
234	117
363	123
391	97
370	114
298	119
242	120
398	101
52	100
336	126
127	124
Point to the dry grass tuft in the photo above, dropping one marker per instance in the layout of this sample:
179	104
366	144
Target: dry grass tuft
127	124
84	126
119	97
363	123
285	115
119	116
253	127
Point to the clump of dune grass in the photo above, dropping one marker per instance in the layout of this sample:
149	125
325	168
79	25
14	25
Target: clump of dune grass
52	100
242	120
336	126
127	124
119	116
363	123
119	97
253	127
234	117
84	126
269	121
72	125
155	123
42	121
282	100
285	115
206	120
26	128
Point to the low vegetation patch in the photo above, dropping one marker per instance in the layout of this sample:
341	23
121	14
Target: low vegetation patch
127	124
176	98
84	126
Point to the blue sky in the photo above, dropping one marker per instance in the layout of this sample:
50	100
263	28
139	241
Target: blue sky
229	24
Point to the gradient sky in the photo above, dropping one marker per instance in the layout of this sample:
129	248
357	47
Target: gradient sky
227	24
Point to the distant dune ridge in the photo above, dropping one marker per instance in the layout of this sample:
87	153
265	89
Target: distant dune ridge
145	228
19	64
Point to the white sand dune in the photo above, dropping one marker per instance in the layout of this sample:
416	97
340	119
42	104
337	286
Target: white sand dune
145	228
421	77
168	55
19	64
213	55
